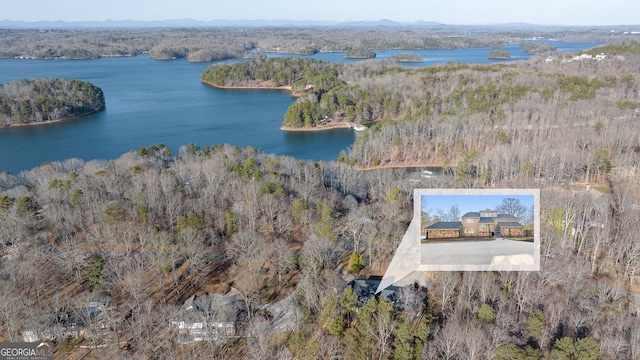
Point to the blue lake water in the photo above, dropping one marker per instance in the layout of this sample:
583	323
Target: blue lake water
151	102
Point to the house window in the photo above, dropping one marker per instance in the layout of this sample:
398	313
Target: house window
469	221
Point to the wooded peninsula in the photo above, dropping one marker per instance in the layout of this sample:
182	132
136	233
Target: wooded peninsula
39	101
509	96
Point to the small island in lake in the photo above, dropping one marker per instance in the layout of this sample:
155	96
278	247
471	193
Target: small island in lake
406	56
541	48
39	101
499	54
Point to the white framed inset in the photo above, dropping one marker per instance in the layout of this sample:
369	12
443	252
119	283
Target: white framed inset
464	230
478	246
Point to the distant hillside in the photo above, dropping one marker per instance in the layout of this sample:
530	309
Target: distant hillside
160	23
11	24
181	23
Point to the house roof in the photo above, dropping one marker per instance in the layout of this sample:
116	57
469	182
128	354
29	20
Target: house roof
506	216
485	220
208	308
63	321
365	289
509	224
471	214
188	304
445	225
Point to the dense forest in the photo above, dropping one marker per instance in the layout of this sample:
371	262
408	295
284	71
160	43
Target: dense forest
104	257
41	100
575	122
297	73
143	233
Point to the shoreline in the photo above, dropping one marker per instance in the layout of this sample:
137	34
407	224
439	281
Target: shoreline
330	126
20	57
52	121
403	166
339	125
284	87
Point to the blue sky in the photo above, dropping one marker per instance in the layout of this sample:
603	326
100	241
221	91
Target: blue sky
467	203
542	12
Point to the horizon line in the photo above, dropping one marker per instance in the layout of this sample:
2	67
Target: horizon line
326	22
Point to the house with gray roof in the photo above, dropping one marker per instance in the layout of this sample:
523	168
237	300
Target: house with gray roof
444	230
206	317
483	223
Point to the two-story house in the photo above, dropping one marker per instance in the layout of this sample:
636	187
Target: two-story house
206	317
484	223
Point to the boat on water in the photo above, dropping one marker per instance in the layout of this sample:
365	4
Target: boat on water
359	127
426	174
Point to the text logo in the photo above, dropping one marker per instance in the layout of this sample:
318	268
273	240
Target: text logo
26	351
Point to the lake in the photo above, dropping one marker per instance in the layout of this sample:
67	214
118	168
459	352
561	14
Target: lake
150	102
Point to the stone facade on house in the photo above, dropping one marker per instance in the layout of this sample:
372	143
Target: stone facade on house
444	230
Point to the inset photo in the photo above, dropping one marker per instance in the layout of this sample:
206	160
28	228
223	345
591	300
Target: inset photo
479	229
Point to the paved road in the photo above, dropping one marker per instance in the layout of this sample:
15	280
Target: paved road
499	252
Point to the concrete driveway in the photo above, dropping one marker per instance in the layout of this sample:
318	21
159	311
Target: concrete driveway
497	254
